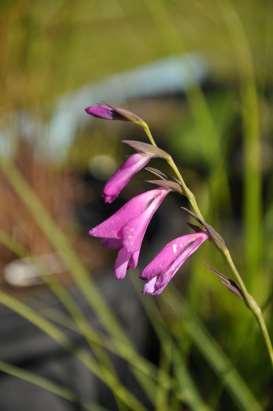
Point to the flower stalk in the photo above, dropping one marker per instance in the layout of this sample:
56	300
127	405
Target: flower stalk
248	298
107	112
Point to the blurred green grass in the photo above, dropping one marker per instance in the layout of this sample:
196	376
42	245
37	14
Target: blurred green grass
48	49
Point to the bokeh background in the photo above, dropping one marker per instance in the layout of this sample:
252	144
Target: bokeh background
200	73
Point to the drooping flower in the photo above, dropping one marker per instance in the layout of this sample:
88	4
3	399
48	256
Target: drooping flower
135	163
125	229
123	175
159	272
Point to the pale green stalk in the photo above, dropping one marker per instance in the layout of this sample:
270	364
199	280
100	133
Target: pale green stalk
248	298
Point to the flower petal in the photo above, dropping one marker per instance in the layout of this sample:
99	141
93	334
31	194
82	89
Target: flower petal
108	112
146	148
134	231
171	258
112	226
149	287
123	175
103	111
134	259
154	286
121	263
170	253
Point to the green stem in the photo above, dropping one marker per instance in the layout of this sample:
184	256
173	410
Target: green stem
37	380
248	298
147	130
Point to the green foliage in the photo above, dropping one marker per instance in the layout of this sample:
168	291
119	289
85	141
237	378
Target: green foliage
209	347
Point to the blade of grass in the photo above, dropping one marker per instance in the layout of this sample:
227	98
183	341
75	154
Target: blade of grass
85	358
168	347
109	345
76	268
95	339
252	143
47	385
211	352
188	389
38	381
61	244
65	298
11	244
161	401
84	328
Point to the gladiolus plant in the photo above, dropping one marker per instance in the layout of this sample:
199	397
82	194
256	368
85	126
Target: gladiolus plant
126	229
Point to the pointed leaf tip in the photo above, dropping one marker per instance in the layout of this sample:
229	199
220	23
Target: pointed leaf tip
230	284
171	185
146	148
128	115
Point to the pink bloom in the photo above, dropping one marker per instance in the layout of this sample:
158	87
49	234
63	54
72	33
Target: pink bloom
125	229
107	112
103	111
159	272
124	174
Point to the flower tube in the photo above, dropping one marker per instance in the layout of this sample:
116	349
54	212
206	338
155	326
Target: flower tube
123	175
160	271
125	229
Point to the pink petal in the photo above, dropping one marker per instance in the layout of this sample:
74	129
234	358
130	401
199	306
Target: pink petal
123	175
134	231
175	249
111	228
149	287
103	111
107	112
121	263
134	259
165	265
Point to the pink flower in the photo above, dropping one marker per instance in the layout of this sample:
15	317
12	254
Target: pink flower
123	175
125	229
103	111
108	112
159	272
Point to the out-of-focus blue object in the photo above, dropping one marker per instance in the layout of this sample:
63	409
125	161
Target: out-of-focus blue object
167	76
162	77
